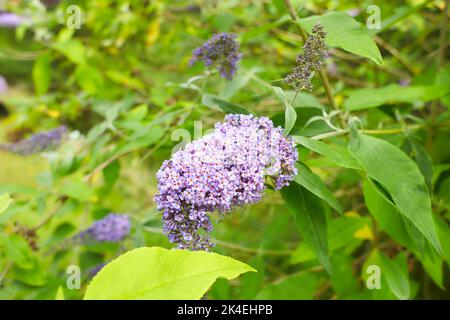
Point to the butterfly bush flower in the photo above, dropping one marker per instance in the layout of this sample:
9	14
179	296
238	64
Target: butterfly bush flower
39	142
112	228
220	52
310	60
3	84
223	170
11	20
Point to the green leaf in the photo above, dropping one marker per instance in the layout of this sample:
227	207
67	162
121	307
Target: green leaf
5	201
309	217
423	160
72	50
341	234
124	79
234	86
308	179
343	279
387	216
157	273
59	293
337	154
399	175
33	277
396	279
345	32
252	281
228	107
290	116
300	286
79	191
89	79
443	230
41	74
392	94
17	249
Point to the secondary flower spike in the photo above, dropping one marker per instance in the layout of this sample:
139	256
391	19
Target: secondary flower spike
39	142
112	228
221	51
10	20
310	60
220	171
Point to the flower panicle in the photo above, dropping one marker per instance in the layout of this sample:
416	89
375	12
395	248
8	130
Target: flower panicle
112	228
221	52
39	142
223	170
309	61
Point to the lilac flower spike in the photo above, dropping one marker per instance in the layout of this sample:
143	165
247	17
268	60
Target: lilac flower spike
10	20
38	142
221	51
220	171
3	84
112	228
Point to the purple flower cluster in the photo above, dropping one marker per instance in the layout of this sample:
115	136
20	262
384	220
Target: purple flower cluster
221	51
10	20
309	61
38	142
3	84
112	228
222	170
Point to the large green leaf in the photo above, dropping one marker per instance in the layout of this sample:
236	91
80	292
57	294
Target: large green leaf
158	273
336	154
309	216
390	221
345	32
308	179
401	177
387	216
374	97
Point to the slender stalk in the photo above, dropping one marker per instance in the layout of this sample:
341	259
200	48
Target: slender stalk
372	132
443	34
441	59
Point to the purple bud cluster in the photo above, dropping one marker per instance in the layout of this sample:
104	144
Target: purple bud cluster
220	171
221	51
39	142
10	20
112	228
310	60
